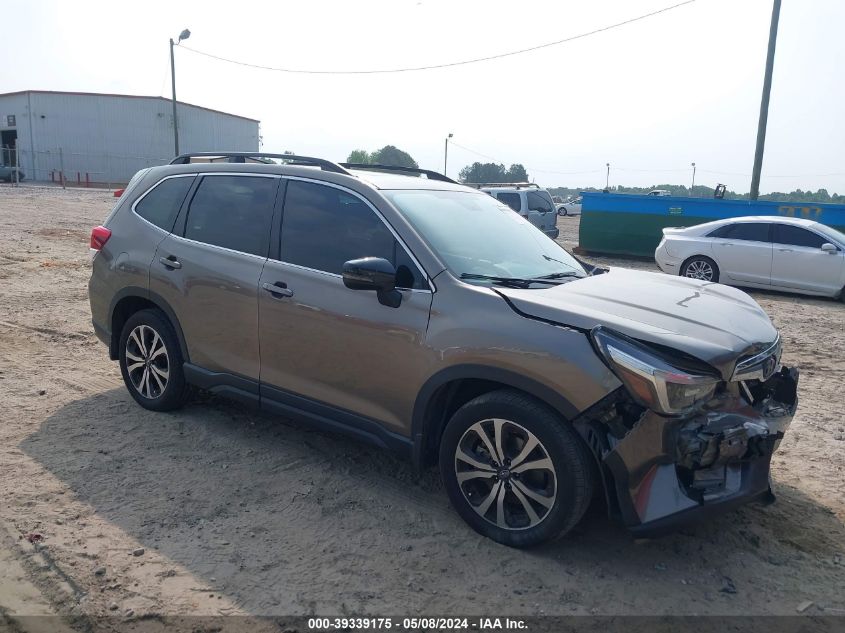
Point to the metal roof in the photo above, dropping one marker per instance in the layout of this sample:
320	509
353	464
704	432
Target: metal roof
108	94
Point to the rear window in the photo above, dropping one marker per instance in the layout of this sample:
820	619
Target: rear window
539	202
162	203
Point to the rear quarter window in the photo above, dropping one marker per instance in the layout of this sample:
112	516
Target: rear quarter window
161	204
510	199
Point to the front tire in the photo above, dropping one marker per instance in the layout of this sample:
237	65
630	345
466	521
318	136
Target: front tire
701	268
562	212
151	361
514	470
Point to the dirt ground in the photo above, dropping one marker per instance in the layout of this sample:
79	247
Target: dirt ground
218	509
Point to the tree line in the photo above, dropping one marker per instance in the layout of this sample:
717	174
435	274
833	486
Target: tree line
497	172
702	191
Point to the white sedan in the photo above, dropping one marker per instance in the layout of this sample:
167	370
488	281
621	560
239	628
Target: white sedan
780	253
570	207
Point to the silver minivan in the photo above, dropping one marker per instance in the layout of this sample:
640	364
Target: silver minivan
529	200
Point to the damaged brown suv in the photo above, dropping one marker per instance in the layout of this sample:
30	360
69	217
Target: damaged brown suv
427	317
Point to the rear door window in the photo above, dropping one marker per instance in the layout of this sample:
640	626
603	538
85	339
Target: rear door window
746	231
796	236
162	203
510	199
233	212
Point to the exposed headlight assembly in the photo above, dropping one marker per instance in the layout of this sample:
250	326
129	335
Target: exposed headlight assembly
651	380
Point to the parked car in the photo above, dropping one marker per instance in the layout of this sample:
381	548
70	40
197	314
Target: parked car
529	200
570	207
424	316
789	254
659	192
7	173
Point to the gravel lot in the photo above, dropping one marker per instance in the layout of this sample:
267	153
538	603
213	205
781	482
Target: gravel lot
239	512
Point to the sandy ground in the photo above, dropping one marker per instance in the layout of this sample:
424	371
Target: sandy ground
239	512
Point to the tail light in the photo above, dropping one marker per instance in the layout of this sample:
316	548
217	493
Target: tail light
99	236
118	192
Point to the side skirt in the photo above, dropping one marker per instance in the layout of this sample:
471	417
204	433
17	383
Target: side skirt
310	412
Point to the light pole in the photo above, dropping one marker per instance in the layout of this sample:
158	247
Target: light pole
446	153
693	179
607	183
182	36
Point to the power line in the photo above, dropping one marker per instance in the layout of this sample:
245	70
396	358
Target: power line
464	62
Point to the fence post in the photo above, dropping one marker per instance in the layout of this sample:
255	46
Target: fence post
17	165
62	167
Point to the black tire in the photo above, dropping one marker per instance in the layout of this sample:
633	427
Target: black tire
700	263
562	212
145	324
570	458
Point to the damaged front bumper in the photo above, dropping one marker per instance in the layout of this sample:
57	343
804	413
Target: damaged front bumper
669	471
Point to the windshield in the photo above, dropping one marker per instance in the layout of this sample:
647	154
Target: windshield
476	235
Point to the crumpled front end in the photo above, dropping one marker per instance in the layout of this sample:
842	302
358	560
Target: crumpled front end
667	471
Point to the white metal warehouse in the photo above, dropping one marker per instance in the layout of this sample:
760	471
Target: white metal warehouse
106	138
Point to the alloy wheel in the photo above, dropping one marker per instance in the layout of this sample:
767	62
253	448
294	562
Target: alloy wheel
700	269
505	474
147	362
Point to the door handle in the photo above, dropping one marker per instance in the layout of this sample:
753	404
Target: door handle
785	250
170	263
279	288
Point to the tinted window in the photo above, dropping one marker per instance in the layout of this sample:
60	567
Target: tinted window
233	212
722	231
795	236
748	231
510	199
536	202
161	205
323	227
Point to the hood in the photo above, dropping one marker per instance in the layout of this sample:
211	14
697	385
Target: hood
714	323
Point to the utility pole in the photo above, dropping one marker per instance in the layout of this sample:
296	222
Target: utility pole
693	179
182	36
607	183
446	153
764	103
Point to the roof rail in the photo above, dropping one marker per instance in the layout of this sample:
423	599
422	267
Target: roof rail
431	175
516	185
241	157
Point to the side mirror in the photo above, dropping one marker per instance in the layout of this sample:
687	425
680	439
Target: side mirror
373	273
827	247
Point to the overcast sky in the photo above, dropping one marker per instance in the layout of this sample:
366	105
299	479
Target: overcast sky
649	98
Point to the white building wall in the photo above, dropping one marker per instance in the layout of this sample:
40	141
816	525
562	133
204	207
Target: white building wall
109	138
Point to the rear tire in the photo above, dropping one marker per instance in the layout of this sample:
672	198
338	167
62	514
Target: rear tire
701	268
484	452
151	361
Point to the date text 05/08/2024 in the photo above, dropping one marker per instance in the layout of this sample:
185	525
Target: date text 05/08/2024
421	623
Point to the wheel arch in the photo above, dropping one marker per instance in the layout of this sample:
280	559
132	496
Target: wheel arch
132	299
446	391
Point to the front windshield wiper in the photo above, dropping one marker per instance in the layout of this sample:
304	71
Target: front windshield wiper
514	282
561	275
